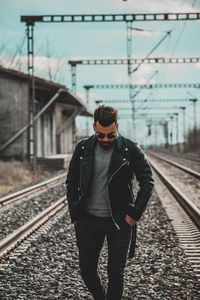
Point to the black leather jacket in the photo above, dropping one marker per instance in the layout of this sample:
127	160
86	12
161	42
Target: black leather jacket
127	161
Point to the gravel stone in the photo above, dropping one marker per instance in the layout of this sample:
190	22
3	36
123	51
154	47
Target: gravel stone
48	266
17	214
182	159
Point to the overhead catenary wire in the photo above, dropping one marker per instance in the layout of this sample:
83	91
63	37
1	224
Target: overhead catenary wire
7	25
154	48
182	30
166	66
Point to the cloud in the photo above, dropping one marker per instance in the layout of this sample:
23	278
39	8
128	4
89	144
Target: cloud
85	57
140	77
46	67
155	6
197	66
137	32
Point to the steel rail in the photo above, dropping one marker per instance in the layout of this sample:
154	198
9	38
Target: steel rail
192	211
190	158
185	169
29	190
16	237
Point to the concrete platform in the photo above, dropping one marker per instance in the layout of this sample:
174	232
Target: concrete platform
54	162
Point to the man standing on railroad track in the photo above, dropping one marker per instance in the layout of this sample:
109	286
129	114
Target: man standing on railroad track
101	200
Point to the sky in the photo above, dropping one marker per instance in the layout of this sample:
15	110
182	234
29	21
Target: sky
56	43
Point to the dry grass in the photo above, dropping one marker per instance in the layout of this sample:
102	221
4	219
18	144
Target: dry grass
14	174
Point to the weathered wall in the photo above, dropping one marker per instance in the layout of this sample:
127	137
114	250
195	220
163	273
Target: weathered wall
65	139
13	116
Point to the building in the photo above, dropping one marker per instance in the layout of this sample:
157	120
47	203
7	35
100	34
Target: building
55	128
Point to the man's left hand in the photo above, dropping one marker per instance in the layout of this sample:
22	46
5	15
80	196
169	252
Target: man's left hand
130	221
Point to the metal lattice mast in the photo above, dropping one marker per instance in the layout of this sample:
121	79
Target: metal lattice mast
73	70
177	130
124	61
143	100
87	91
183	108
31	20
147	86
195	121
171	131
89	18
31	144
129	61
131	90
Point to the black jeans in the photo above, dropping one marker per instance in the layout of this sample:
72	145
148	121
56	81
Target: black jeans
90	233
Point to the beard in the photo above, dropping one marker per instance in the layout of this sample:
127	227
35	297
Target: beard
106	145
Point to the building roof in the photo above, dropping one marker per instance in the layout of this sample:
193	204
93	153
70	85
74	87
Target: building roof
67	96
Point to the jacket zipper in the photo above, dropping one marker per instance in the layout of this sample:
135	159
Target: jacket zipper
81	182
130	191
126	163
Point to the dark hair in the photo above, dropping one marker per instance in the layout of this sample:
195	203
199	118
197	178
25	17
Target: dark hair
106	115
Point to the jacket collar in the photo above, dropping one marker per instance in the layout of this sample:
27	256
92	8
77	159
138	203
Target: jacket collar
116	161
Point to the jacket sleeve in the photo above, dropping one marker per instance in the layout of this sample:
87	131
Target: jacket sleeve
144	177
73	183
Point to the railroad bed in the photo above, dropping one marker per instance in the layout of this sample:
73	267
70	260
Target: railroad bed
15	211
191	161
45	266
188	183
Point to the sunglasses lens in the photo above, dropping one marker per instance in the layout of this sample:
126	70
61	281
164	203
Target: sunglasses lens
101	135
111	136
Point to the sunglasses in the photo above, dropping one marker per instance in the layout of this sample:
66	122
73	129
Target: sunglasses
109	135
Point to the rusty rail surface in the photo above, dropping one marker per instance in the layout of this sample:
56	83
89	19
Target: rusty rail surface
16	237
192	211
44	185
183	168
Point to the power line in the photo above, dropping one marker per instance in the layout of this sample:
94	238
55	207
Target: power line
154	48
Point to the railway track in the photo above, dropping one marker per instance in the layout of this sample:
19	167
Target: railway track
41	187
192	211
22	200
175	164
186	221
191	158
15	238
187	232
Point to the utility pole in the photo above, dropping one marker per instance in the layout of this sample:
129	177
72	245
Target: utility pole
127	61
165	125
73	70
87	90
195	122
88	18
156	135
131	89
177	132
183	108
31	141
171	132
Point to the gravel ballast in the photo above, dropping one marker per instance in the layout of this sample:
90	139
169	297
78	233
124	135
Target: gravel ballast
179	158
46	266
187	183
18	213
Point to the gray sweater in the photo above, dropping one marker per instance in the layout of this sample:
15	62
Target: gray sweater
97	202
